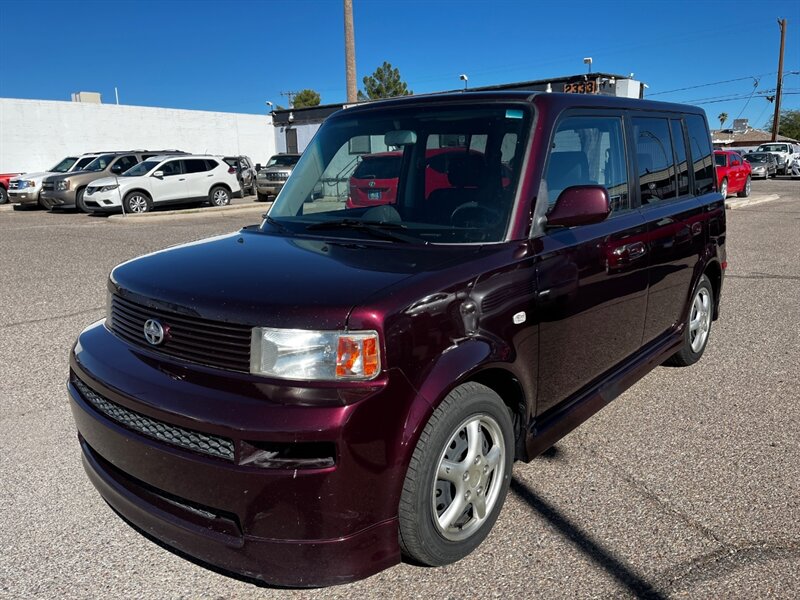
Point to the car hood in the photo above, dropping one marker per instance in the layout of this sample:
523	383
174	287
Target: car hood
101	181
256	278
33	176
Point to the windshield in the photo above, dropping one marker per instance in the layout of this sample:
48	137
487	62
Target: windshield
443	175
141	169
65	165
283	161
720	160
99	163
772	148
756	158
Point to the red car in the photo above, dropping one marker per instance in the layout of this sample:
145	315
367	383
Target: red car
4	179
733	173
374	181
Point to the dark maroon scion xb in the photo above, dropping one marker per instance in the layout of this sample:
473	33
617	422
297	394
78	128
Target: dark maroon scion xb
307	400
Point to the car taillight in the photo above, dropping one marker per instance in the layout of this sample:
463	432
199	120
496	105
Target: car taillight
231	170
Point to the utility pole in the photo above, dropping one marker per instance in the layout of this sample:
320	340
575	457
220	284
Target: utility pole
776	120
290	96
350	52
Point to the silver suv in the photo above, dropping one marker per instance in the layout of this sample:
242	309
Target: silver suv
271	178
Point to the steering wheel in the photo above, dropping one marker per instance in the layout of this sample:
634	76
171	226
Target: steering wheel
474	215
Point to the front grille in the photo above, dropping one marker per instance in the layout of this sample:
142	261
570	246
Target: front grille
49	186
201	341
277	176
13	185
187	439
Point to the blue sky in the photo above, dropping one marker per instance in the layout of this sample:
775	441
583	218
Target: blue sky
234	55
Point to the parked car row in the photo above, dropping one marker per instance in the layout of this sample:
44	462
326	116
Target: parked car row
134	181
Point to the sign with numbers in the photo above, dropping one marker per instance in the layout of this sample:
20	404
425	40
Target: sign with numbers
581	87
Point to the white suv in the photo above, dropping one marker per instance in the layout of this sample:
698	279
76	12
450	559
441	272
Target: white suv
164	180
25	188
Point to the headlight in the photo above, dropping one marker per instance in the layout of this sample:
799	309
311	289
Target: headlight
108	188
314	355
27	184
62	185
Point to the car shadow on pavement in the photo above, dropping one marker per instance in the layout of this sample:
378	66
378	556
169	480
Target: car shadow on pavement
605	559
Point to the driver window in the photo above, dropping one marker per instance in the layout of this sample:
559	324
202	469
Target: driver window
171	168
588	151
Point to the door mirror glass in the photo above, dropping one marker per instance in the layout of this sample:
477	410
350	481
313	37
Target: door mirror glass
580	205
158	174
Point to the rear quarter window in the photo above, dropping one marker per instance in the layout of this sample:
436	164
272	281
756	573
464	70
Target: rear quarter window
700	149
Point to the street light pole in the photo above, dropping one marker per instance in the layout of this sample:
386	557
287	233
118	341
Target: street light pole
776	119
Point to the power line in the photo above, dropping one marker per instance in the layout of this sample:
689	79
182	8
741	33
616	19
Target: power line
694	87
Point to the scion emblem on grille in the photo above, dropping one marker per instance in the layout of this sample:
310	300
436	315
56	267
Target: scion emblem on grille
154	332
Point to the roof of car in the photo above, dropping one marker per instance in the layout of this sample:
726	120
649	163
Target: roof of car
160	157
556	100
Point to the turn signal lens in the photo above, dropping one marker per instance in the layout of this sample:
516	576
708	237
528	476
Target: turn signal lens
357	356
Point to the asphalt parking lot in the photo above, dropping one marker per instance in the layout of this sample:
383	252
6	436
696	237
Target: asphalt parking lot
688	485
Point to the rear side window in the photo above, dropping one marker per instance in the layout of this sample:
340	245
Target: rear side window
700	150
195	165
211	164
721	160
654	157
588	151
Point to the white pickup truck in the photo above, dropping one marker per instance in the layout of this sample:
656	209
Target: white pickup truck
784	153
25	188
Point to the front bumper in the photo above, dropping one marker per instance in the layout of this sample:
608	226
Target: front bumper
270	188
103	201
54	198
24	196
286	526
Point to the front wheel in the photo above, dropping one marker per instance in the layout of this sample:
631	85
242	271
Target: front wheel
458	476
697	327
219	196
137	202
3	195
746	189
79	203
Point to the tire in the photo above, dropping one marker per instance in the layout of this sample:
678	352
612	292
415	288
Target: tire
219	196
137	203
79	203
471	420
3	195
262	197
695	338
746	189
723	188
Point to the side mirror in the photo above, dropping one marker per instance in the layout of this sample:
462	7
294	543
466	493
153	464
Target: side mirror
116	169
158	174
735	163
580	205
258	166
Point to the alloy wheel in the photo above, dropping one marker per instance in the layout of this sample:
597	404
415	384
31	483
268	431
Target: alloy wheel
700	320
137	204
220	198
469	477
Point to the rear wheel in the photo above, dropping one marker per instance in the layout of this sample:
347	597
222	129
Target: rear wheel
723	188
137	203
219	196
697	327
458	476
746	189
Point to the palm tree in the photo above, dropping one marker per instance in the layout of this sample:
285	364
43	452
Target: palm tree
722	118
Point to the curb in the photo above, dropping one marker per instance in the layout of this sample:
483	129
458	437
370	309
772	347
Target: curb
191	213
745	202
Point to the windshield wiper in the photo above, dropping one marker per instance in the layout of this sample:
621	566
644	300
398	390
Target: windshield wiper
380	229
276	223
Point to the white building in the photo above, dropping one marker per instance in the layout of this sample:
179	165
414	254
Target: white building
36	134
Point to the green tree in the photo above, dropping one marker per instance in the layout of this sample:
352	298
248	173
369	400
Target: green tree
306	98
788	124
385	82
722	118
